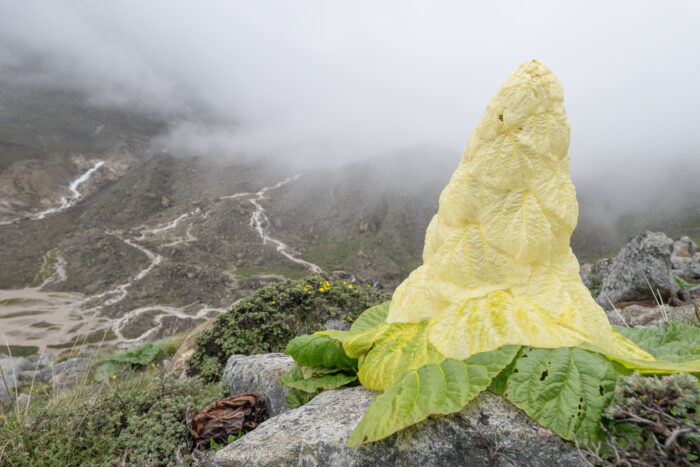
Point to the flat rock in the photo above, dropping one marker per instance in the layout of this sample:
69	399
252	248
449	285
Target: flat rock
67	373
21	372
489	431
636	316
640	270
260	374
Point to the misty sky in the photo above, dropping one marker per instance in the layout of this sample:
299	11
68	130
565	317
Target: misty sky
336	81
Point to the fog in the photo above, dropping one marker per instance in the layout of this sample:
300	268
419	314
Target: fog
330	82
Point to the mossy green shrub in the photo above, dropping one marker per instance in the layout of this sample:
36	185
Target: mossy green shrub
134	420
276	313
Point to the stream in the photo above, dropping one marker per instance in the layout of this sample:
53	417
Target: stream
54	321
66	202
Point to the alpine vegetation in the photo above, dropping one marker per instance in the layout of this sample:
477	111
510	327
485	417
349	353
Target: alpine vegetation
498	303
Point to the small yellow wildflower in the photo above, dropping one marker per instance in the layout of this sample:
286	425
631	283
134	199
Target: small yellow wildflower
274	302
114	376
350	286
369	285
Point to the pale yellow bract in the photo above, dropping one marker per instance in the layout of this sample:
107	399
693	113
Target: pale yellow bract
497	266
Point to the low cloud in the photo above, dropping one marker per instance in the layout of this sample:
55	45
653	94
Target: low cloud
333	82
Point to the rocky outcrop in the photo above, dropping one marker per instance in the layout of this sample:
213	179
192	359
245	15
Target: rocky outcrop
637	316
602	268
641	270
67	373
586	273
489	431
260	374
21	372
178	364
685	259
593	274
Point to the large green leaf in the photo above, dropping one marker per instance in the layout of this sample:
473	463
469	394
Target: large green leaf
672	350
431	389
319	351
363	331
139	356
334	334
678	342
500	381
402	347
316	372
564	389
296	398
359	344
294	378
370	318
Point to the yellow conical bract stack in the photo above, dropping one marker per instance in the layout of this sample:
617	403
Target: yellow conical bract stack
497	266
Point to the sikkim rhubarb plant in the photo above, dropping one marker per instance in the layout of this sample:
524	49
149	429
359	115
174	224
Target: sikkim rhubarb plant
498	302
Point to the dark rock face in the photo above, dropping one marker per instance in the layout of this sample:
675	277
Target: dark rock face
640	270
489	431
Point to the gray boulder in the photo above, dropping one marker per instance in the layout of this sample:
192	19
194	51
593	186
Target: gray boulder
8	378
694	268
636	316
260	374
602	267
643	265
21	372
489	431
25	368
685	259
586	272
67	373
593	274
